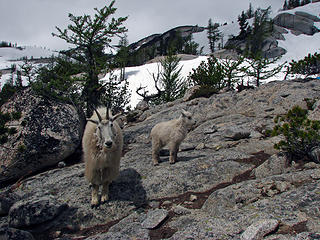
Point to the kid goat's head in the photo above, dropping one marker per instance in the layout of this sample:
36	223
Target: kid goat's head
105	130
187	119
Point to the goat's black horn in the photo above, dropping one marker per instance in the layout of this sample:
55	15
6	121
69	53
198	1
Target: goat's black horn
98	114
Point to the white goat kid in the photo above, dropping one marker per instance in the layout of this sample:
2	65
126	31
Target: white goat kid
102	145
171	134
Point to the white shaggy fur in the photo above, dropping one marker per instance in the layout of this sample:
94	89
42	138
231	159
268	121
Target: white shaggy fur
171	134
102	145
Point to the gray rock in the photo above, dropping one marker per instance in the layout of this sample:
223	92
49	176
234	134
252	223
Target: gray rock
315	113
307	236
47	133
275	165
236	133
34	211
296	22
275	52
221	175
142	106
315	154
7	199
127	228
14	234
154	218
308	15
259	229
181	210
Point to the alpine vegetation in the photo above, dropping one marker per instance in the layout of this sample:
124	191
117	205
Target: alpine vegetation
102	145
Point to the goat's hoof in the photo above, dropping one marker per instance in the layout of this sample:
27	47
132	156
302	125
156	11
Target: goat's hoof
94	203
155	164
94	206
104	199
172	162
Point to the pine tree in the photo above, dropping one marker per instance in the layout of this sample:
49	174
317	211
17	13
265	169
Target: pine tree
259	68
250	12
173	85
90	36
213	34
232	70
262	28
243	23
285	5
291	4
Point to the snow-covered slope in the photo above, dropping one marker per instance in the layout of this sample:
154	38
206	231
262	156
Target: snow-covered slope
297	47
14	56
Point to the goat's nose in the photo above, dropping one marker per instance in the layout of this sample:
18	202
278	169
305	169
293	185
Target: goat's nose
108	143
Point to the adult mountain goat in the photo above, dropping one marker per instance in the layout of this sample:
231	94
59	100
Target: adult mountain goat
171	134
102	149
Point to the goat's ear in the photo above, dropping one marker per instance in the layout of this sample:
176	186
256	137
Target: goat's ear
93	121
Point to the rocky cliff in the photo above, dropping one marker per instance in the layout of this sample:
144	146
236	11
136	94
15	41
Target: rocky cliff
228	183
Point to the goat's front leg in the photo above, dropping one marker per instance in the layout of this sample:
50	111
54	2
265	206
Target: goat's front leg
94	195
105	192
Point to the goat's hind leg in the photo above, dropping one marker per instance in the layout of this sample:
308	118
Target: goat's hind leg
105	192
155	152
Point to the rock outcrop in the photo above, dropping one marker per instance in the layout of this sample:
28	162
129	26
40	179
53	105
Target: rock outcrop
300	22
46	133
228	182
158	44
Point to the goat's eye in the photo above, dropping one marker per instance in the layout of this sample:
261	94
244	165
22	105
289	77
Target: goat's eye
189	118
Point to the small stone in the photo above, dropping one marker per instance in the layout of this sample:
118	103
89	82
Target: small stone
181	210
154	218
200	146
316	175
193	198
61	164
166	203
259	229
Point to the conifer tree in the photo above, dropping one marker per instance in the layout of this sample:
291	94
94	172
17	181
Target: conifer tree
262	28
285	5
250	12
259	68
90	36
213	34
243	23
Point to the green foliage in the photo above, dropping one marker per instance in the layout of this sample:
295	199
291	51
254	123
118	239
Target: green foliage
243	23
262	28
56	80
5	131
259	68
213	34
168	81
301	134
310	103
90	36
308	66
210	74
6	92
5	44
173	84
22	148
233	70
116	92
